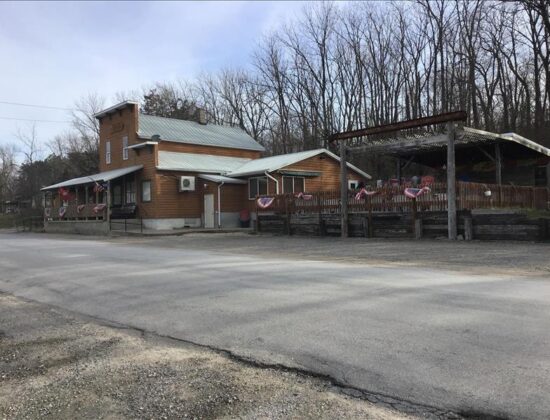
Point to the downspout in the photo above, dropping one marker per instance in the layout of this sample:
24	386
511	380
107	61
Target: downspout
276	182
220	205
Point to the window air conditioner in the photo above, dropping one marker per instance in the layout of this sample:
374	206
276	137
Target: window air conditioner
187	183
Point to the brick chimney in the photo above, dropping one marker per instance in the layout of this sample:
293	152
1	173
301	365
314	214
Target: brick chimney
201	116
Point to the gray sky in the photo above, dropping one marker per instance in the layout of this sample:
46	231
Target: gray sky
53	53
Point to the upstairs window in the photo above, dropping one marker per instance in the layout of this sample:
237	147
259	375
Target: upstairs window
257	186
108	152
293	184
125	148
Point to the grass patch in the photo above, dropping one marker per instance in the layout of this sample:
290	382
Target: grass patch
7	221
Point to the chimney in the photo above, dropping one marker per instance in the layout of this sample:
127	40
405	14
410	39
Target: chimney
201	116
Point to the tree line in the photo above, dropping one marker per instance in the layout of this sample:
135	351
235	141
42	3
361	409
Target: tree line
339	67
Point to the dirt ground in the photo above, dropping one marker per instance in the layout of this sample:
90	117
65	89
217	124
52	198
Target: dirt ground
475	257
55	364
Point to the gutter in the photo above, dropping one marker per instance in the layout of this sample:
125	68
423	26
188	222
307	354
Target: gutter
220	204
276	182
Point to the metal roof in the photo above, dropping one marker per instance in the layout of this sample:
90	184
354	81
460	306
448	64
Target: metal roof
102	176
428	140
195	162
192	132
220	179
273	163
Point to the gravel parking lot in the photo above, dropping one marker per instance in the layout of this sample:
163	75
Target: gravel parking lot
55	364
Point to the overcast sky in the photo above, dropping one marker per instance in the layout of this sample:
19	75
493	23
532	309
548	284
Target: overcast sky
53	53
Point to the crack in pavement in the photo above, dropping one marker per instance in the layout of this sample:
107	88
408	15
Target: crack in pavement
337	385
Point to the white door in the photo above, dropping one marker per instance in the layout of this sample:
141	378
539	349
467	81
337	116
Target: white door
209	211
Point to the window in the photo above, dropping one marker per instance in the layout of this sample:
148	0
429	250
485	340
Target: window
353	184
130	192
257	186
108	152
293	184
117	195
146	191
125	148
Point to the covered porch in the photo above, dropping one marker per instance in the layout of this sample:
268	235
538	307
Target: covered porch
94	198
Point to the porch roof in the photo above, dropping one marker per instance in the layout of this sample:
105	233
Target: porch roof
102	176
274	163
219	179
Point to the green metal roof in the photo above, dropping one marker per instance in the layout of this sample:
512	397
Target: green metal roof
195	162
273	163
192	132
102	176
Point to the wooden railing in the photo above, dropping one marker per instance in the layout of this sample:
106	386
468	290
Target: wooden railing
392	199
76	212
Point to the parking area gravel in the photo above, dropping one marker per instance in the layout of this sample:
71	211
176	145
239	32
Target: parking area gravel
59	365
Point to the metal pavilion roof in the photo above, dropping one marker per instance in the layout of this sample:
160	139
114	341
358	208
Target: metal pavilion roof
419	141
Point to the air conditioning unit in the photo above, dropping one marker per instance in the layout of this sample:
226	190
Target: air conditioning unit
187	183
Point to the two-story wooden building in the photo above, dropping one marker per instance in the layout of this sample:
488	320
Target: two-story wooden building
174	173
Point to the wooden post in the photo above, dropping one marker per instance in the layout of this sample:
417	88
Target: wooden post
86	201
418	228
286	197
498	164
468	228
414	217
398	171
371	227
343	190
108	208
319	201
257	226
451	182
96	202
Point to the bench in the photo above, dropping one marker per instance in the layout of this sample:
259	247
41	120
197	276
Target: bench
124	212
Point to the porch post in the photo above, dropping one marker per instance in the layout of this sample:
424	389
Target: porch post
451	181
498	164
398	171
343	190
108	209
86	201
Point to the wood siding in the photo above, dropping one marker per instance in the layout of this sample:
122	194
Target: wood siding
169	146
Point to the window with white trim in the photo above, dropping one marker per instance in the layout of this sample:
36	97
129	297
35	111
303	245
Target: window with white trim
257	186
146	191
293	184
353	184
108	152
125	148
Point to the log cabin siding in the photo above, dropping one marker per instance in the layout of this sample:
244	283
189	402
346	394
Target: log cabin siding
329	180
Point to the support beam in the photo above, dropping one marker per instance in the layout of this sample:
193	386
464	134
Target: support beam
498	164
398	171
451	182
402	125
343	189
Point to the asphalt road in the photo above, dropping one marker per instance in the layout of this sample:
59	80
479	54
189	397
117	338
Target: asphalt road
477	344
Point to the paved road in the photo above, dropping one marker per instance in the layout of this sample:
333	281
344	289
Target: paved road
477	344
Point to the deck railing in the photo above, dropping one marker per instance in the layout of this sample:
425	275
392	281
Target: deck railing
392	199
90	211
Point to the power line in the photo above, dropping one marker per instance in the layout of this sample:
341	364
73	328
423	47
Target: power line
33	120
37	106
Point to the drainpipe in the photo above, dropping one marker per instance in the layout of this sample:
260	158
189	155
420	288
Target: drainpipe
220	205
276	182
